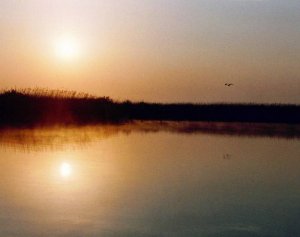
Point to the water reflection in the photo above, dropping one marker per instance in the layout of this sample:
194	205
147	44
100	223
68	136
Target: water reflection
60	138
65	169
156	183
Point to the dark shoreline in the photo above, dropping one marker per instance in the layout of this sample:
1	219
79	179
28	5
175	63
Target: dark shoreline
23	109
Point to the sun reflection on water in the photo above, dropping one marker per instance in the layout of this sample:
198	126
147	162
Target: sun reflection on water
65	170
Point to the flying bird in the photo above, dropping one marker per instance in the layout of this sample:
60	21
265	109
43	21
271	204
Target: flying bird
228	84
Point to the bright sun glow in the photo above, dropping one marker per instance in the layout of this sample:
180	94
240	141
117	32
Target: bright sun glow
67	48
65	169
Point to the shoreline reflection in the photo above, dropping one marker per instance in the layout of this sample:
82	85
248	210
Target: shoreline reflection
60	138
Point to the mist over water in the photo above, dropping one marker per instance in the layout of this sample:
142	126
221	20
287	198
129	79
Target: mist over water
150	179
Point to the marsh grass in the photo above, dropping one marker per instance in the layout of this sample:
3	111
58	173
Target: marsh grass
34	107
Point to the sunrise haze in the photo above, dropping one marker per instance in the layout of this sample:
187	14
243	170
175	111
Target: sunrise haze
158	50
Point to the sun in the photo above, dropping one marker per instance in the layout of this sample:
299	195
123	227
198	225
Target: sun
67	48
65	169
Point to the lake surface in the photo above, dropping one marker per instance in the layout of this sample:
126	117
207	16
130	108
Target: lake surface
148	181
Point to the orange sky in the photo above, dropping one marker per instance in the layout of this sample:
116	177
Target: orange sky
159	50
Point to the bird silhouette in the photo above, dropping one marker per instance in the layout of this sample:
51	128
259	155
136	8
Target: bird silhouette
226	156
228	84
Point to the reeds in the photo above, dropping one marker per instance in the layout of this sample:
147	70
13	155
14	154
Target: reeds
49	93
30	107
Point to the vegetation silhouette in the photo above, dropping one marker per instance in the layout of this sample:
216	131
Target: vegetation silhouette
33	107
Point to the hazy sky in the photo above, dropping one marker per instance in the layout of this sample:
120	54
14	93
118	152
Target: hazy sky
156	50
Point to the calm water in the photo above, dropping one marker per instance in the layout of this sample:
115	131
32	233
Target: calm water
113	181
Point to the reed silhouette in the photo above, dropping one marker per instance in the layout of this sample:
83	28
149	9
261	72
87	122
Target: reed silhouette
31	107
